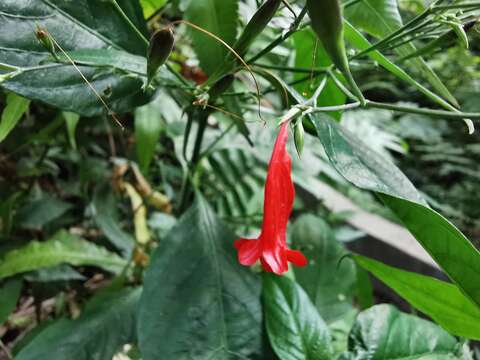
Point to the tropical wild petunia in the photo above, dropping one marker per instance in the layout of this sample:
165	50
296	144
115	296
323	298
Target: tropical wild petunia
271	246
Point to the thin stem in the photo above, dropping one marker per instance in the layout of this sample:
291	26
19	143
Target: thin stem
7	352
396	33
456	6
178	76
129	22
350	106
8	67
316	94
399	108
281	38
341	86
214	143
424	111
202	125
293	69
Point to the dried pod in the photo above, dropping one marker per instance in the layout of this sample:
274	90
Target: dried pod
327	22
160	48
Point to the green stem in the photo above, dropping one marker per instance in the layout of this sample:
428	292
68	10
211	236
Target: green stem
177	75
456	6
399	108
396	33
202	125
129	22
8	67
293	69
281	38
214	143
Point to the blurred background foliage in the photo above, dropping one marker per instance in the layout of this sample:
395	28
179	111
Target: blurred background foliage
118	190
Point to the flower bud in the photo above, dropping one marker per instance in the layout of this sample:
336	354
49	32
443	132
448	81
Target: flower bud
46	40
160	48
299	137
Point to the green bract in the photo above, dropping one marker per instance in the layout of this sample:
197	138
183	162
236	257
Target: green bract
327	22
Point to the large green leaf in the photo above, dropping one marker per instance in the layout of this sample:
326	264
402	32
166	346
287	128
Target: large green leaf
75	25
445	243
108	323
295	329
13	112
61	248
368	170
442	301
219	17
359	164
380	18
329	284
148	126
9	293
197	294
383	332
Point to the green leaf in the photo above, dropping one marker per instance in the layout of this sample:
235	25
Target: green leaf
368	170
357	39
61	248
219	17
197	293
443	241
13	112
330	285
62	272
442	301
9	293
361	165
380	18
104	213
305	44
295	329
148	126
42	211
108	322
383	332
71	122
151	6
75	26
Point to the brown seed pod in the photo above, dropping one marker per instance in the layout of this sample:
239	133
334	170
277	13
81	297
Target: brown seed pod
160	48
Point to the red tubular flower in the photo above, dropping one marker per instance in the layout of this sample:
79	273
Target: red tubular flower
271	246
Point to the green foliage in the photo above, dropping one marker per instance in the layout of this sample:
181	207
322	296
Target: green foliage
219	18
107	323
148	127
61	248
329	283
75	186
9	293
414	337
447	245
295	329
13	112
212	301
442	301
100	30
